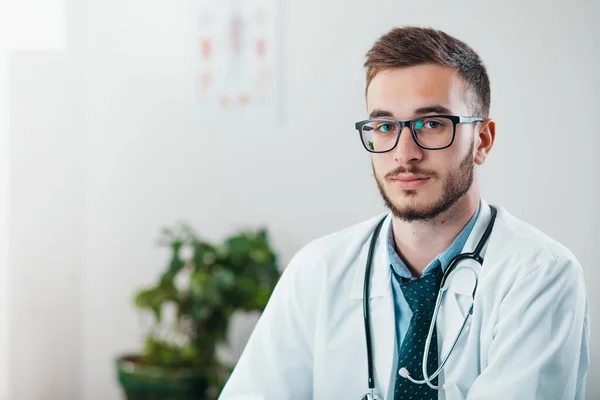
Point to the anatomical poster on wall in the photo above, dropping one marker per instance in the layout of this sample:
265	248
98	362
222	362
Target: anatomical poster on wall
238	59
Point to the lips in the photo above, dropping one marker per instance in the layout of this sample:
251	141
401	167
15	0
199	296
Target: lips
409	177
410	181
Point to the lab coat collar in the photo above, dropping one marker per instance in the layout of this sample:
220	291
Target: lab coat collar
465	286
381	270
480	225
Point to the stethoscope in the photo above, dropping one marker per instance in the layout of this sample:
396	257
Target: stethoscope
475	255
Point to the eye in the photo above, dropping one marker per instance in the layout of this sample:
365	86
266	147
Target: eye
384	127
430	124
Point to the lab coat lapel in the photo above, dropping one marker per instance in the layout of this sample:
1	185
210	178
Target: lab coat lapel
457	300
381	306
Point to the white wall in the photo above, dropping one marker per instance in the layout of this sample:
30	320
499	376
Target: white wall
44	231
38	26
4	212
145	161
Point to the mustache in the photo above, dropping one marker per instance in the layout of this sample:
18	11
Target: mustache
410	170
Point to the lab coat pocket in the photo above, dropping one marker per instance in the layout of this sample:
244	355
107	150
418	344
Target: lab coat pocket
463	301
462	283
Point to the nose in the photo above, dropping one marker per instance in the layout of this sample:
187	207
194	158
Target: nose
407	151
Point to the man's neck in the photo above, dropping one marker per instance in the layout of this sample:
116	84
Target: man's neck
419	242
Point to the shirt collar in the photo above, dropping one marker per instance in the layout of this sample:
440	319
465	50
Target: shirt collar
443	259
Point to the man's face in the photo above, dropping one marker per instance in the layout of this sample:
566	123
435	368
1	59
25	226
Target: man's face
418	184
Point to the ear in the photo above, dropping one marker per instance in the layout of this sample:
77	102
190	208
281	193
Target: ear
486	136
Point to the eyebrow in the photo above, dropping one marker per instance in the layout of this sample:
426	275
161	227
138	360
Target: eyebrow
435	109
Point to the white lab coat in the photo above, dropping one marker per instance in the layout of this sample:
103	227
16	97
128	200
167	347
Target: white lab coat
527	339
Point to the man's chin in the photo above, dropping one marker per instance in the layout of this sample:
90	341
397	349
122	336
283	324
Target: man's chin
410	196
412	205
412	208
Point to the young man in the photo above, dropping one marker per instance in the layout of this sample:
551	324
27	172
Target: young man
327	335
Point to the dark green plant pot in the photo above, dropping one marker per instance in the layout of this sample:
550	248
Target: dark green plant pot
147	382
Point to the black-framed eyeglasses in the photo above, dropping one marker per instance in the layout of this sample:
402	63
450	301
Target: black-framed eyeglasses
433	132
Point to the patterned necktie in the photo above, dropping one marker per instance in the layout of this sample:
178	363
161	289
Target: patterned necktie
421	295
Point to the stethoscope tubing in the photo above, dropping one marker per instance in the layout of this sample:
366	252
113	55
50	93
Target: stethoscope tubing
475	255
366	312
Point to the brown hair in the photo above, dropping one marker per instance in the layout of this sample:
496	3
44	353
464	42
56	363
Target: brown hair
411	46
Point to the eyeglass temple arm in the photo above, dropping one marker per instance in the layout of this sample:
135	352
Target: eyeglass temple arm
468	120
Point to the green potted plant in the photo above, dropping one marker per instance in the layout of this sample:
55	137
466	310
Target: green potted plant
204	284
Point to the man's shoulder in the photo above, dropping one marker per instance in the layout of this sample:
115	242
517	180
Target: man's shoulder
338	247
517	238
351	233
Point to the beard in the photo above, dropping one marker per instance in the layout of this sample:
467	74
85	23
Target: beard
457	184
